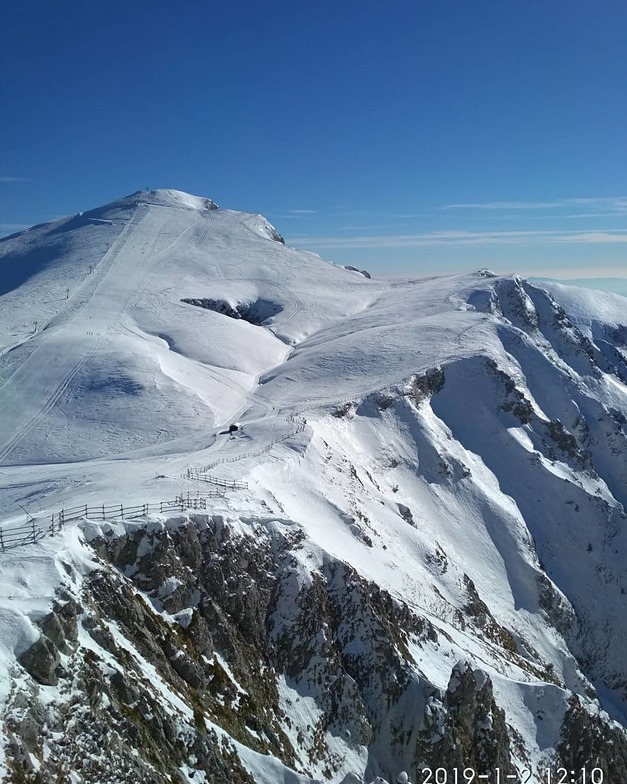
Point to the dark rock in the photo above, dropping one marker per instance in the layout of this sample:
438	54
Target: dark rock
405	513
51	626
588	741
41	661
103	637
126	690
67	614
365	273
257	312
427	384
465	728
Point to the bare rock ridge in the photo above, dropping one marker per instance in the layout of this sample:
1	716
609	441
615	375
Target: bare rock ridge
242	591
339	640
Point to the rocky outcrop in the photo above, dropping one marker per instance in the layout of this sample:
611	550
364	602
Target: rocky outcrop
190	631
41	661
59	633
464	728
195	636
257	312
365	273
590	740
113	728
427	384
554	439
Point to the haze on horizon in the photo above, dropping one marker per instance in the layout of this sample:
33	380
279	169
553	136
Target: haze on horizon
426	138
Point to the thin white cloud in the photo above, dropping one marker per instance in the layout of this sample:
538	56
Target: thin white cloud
13	179
504	205
580	273
614	203
290	214
452	238
593	237
619	202
556	216
346	211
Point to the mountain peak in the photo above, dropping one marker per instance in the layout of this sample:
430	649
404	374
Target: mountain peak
169	197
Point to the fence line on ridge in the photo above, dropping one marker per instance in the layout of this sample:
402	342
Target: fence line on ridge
225	484
34	530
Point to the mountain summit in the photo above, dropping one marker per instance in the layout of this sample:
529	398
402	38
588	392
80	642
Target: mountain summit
287	523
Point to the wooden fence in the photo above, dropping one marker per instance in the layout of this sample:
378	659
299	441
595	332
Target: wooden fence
197	475
26	534
35	529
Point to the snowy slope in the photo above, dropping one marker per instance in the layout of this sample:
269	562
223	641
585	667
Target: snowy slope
459	442
117	292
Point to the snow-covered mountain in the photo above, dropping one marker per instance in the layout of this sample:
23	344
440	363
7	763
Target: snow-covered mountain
409	555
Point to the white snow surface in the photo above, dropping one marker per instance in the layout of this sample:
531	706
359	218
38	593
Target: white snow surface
111	387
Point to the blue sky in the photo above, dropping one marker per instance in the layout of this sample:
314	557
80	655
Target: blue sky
406	137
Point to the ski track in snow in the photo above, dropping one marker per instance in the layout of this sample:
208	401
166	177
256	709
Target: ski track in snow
27	379
73	320
26	427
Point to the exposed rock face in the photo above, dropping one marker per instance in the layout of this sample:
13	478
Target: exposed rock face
188	636
275	235
430	383
365	273
41	661
135	683
59	633
464	728
590	741
257	312
244	617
